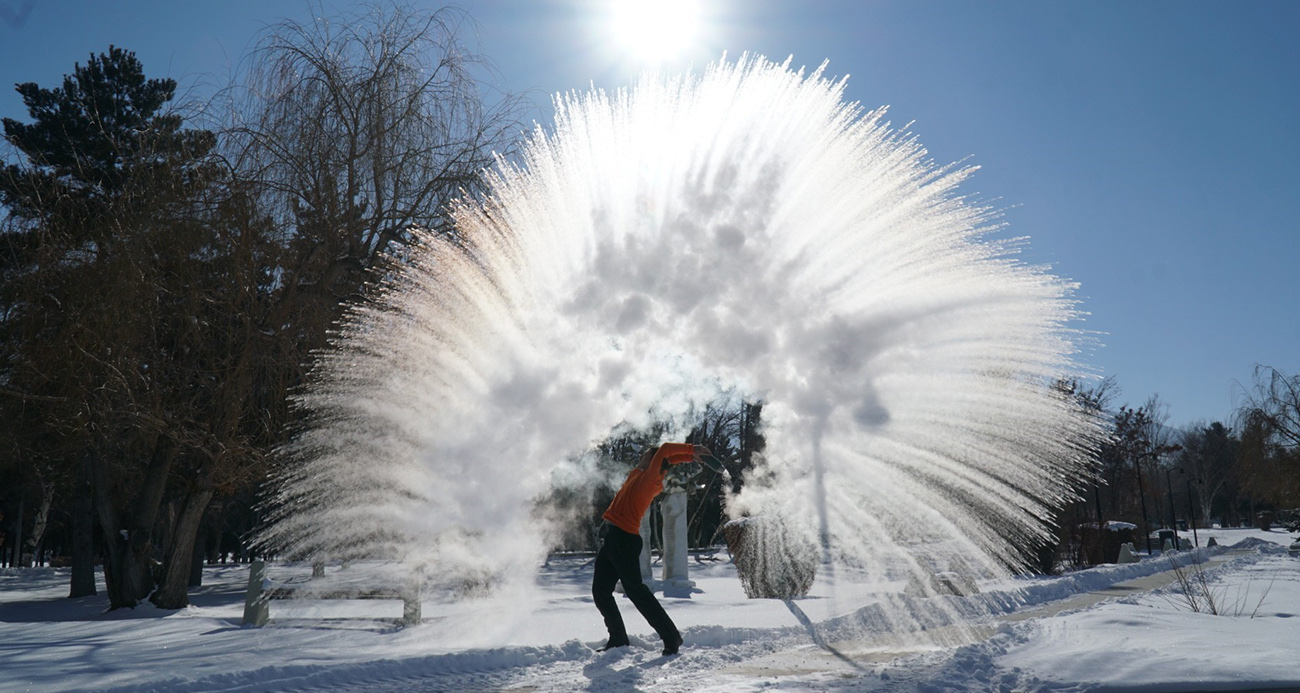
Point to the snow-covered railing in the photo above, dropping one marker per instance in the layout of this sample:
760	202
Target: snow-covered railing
261	590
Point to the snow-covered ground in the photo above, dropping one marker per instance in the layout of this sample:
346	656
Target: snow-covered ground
1111	628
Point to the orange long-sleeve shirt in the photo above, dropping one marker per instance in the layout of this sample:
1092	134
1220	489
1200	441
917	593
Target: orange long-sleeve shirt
642	485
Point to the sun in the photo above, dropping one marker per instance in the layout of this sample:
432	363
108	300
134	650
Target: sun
654	31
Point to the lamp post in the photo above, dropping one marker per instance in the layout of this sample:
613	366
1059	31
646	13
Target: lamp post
1142	496
1191	507
1101	524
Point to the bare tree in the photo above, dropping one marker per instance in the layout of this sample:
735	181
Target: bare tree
1207	457
1268	462
355	129
1275	404
731	427
352	130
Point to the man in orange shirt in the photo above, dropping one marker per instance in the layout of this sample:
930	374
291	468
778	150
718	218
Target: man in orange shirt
619	552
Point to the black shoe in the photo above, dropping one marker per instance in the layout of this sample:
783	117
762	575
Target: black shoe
612	644
672	645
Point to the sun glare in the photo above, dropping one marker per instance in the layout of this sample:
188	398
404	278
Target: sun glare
654	31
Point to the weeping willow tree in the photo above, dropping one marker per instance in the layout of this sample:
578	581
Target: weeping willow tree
354	130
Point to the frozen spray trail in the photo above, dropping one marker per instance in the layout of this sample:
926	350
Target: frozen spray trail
742	228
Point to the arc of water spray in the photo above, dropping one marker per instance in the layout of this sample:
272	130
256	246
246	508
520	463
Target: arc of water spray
743	227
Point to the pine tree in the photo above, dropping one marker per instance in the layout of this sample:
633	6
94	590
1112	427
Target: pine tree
103	250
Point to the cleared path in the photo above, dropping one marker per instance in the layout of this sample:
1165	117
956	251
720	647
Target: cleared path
1120	589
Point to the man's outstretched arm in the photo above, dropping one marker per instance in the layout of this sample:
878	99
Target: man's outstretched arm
678	453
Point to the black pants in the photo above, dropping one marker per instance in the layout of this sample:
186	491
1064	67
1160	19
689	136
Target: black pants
618	559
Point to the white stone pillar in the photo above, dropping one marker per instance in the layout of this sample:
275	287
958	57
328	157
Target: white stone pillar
256	609
672	507
647	575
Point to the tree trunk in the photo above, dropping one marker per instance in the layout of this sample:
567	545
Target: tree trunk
83	535
196	560
39	523
127	574
128	561
17	560
173	593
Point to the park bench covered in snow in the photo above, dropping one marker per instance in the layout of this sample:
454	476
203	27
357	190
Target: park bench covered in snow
262	590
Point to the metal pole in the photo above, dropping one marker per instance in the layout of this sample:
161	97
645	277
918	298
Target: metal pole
1173	516
1101	524
1196	540
1096	496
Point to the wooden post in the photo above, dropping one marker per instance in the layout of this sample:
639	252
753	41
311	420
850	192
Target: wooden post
256	608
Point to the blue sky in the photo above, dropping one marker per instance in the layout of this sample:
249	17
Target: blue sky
1150	151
